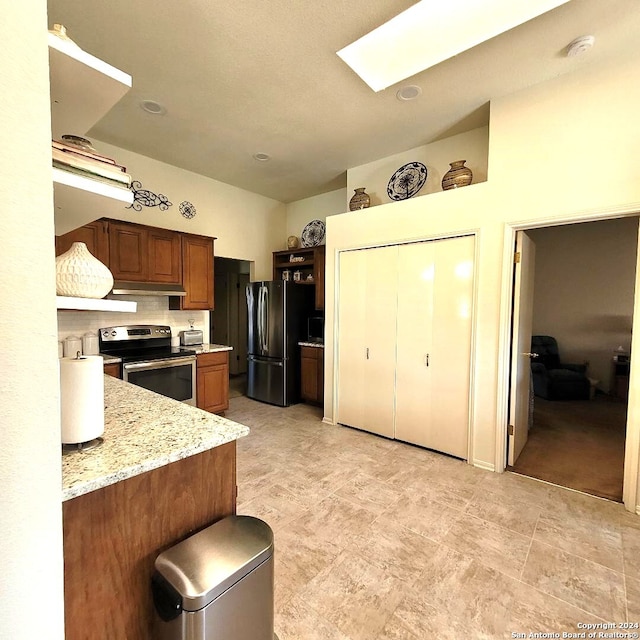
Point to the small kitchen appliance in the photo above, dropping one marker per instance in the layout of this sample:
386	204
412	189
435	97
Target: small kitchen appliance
191	336
149	360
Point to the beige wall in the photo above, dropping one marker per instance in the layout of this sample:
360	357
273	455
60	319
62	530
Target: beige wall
30	462
584	290
472	146
557	150
301	212
247	226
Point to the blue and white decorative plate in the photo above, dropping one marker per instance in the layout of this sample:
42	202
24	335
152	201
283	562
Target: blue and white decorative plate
313	234
407	181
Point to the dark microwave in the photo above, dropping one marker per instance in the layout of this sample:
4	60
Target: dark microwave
315	329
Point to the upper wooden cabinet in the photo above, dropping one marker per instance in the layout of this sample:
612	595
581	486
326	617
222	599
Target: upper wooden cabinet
309	262
138	253
128	251
165	256
95	235
197	274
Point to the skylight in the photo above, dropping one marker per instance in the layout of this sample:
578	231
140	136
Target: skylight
432	31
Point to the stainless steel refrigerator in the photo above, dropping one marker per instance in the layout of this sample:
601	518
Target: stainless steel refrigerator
277	315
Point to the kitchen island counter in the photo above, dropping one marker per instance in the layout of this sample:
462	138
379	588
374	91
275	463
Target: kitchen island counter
164	471
143	431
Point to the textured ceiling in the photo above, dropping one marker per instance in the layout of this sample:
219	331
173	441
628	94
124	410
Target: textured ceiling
263	76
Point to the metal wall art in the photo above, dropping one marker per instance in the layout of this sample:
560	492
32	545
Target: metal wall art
187	210
407	181
145	198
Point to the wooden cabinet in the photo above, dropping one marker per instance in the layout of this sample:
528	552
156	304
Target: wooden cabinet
165	256
312	374
197	274
95	235
113	369
113	535
309	262
212	380
138	253
128	258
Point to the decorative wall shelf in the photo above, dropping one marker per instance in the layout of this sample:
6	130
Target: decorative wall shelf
83	90
95	304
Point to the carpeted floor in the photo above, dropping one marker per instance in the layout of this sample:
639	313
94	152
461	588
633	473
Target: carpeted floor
577	444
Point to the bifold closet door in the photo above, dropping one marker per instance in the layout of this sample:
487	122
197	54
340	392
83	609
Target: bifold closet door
367	339
435	291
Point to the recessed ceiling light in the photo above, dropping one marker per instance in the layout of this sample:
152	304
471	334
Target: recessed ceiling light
580	45
261	157
151	106
408	92
429	32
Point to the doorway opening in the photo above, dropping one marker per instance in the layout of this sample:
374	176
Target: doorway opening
228	321
571	426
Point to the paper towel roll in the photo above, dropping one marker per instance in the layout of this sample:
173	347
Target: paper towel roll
81	398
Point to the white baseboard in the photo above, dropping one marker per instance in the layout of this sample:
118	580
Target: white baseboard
328	421
484	465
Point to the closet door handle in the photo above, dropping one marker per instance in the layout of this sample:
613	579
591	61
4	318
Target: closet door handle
367	353
426	360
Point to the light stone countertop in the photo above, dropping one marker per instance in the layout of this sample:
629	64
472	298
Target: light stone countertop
208	348
142	431
317	345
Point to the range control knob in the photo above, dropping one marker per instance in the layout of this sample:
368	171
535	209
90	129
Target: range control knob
114	333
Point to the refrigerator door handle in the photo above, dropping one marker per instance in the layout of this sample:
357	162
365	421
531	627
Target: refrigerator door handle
265	325
260	318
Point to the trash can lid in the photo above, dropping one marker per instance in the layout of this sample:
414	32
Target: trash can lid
205	565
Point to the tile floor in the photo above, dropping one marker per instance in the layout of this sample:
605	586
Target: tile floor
379	540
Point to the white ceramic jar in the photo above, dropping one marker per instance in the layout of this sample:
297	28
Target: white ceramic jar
72	344
90	344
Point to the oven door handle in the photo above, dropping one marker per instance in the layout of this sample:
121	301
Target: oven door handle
158	364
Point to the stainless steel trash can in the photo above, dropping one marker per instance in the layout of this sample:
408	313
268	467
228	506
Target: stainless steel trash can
217	584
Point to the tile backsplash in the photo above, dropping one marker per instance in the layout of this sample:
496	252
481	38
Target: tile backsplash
151	310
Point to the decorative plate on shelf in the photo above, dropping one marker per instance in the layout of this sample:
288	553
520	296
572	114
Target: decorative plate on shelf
313	234
407	181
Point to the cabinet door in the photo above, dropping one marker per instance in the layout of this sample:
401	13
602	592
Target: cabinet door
309	374
95	235
197	272
112	369
435	296
128	259
213	388
165	256
366	339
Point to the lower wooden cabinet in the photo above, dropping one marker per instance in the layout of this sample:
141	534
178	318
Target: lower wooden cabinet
312	374
212	381
113	369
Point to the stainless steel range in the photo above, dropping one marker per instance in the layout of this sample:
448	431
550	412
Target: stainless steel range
149	360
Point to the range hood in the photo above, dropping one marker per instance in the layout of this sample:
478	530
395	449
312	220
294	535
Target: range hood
124	288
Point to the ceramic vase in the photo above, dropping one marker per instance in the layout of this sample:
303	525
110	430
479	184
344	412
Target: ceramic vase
293	242
359	200
81	275
457	176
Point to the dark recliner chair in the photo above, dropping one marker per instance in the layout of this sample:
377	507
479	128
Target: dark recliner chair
555	380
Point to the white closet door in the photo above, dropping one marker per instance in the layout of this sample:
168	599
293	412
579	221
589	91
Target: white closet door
434	344
367	339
